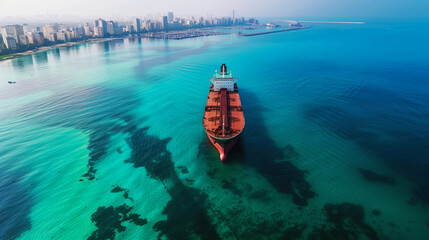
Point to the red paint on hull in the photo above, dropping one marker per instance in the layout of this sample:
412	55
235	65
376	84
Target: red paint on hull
223	149
223	118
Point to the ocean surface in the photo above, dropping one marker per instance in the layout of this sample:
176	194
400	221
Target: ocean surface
105	140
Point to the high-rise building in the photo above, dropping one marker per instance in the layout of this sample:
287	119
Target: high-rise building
165	22
112	28
129	28
26	28
30	37
35	38
136	25
23	40
48	30
63	36
1	43
99	31
11	43
103	24
87	31
13	31
170	16
52	37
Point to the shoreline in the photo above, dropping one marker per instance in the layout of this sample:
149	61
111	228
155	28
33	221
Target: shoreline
94	40
67	44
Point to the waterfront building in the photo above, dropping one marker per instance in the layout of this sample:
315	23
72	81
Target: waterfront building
170	16
52	37
63	36
10	43
146	26
103	25
48	30
23	40
1	43
26	28
30	37
99	31
164	22
88	31
113	28
80	30
253	21
13	31
35	38
136	25
129	29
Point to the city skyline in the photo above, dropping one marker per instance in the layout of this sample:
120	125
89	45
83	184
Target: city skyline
50	10
16	38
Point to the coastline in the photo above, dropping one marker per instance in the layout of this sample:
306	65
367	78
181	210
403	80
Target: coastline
67	44
93	40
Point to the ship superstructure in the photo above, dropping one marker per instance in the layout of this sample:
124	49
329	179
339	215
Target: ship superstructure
223	116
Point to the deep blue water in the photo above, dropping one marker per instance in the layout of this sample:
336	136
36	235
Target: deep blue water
105	140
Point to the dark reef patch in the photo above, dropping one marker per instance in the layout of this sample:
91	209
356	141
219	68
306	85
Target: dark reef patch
376	212
97	146
261	195
376	177
125	194
387	124
151	153
289	152
15	205
186	212
231	186
263	229
294	232
260	152
108	221
119	150
183	169
186	215
345	221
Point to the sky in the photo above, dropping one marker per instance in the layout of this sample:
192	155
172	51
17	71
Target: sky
11	10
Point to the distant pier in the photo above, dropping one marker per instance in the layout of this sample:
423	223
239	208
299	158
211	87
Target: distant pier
267	32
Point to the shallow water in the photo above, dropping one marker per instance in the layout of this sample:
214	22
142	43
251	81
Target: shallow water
105	140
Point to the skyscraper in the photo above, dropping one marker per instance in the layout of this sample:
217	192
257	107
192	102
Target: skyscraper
11	43
103	25
13	31
136	25
112	28
99	31
1	42
165	23
48	30
170	16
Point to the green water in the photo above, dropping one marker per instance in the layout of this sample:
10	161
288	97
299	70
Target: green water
335	144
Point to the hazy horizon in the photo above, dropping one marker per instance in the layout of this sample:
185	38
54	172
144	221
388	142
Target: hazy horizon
51	10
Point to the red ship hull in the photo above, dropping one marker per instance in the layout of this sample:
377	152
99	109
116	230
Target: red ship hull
223	118
223	148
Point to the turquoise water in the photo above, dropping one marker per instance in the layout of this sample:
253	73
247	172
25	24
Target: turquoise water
105	140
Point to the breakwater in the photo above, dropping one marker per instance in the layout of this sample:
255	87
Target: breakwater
267	32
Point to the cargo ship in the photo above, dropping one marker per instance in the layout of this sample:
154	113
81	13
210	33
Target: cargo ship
223	118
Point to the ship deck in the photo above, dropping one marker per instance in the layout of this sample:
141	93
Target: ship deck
223	117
